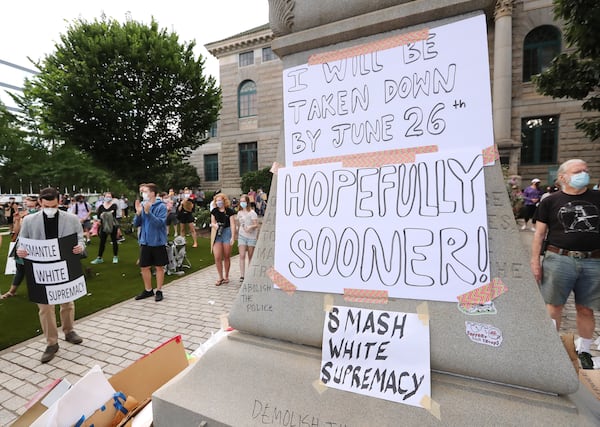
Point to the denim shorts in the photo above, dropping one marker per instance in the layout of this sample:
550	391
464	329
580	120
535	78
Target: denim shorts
225	236
562	274
245	241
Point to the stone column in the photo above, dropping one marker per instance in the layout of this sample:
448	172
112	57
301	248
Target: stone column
502	80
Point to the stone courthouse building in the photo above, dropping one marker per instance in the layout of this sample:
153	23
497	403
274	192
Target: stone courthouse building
534	133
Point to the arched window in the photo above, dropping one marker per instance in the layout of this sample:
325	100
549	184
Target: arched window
541	45
247	99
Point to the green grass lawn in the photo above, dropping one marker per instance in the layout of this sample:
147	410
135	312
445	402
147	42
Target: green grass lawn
107	284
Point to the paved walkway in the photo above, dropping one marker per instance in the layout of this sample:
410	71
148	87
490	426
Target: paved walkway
116	336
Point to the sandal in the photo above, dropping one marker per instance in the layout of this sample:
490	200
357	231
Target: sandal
225	281
219	282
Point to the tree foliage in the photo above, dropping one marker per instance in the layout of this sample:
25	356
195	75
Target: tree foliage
130	95
257	179
28	162
576	73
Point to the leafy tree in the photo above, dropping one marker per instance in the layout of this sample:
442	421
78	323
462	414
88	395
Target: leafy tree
178	175
16	154
129	94
29	161
576	73
257	179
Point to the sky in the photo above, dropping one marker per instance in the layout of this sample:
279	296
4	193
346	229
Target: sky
32	28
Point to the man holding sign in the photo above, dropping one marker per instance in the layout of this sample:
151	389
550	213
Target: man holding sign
49	224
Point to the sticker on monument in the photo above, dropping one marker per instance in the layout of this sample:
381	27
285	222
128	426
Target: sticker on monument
482	333
475	309
483	293
376	353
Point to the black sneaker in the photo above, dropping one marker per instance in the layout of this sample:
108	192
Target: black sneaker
145	294
49	353
586	360
159	296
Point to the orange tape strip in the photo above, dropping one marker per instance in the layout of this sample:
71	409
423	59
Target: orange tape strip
365	295
490	154
363	49
483	293
275	168
373	159
284	284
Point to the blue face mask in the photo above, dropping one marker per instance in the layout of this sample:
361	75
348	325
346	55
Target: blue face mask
579	180
243	205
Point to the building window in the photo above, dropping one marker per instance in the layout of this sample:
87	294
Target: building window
541	46
213	130
211	167
539	139
267	54
248	157
247	99
246	58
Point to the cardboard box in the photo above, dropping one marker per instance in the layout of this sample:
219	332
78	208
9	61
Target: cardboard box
591	379
35	407
139	380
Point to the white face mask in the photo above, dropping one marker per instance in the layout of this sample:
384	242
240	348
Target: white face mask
108	199
50	212
146	195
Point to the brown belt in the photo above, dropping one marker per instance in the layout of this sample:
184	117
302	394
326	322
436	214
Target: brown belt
574	254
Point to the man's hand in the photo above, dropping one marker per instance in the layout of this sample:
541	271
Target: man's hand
77	249
536	269
138	207
22	252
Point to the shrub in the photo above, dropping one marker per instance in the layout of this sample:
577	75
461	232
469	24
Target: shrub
257	179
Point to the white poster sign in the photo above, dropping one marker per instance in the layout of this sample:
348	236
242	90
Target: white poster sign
434	91
376	353
11	267
416	230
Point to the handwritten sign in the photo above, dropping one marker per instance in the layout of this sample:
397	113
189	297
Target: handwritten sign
434	91
376	353
417	231
53	272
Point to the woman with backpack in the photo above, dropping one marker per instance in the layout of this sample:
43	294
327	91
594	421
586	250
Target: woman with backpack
107	214
185	215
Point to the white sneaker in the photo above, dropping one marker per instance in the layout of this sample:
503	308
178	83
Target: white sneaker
532	229
524	227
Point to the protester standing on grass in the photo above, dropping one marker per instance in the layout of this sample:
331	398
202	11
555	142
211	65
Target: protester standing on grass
247	233
151	217
222	219
569	221
52	223
185	215
31	207
83	210
107	214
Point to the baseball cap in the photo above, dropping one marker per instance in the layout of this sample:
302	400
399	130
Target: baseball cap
535	181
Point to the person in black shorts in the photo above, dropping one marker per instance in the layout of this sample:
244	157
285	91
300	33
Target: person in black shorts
185	215
151	217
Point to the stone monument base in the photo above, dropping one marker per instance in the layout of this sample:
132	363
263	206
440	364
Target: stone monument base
245	380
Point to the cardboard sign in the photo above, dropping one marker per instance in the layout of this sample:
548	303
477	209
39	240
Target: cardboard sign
377	353
11	267
432	91
53	272
416	231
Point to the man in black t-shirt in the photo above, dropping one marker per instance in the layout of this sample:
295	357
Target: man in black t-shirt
569	222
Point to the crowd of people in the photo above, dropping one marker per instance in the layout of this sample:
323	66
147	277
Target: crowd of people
155	215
